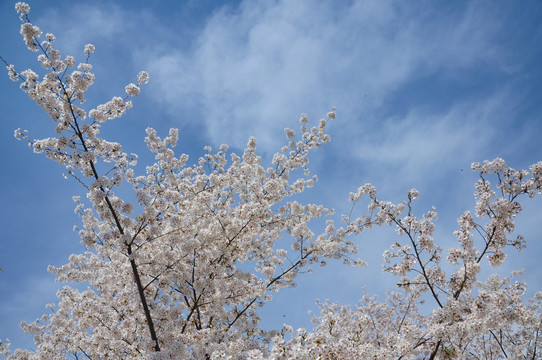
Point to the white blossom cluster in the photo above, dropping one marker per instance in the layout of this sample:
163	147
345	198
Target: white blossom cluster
180	272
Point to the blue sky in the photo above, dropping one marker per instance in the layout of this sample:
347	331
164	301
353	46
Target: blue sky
422	89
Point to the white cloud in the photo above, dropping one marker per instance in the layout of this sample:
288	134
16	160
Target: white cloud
253	69
430	145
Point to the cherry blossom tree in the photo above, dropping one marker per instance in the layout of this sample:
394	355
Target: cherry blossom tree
164	273
181	271
470	318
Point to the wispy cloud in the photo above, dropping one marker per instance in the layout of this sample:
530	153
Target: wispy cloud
254	68
445	141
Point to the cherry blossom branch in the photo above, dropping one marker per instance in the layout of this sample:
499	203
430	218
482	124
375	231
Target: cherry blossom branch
275	279
418	258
